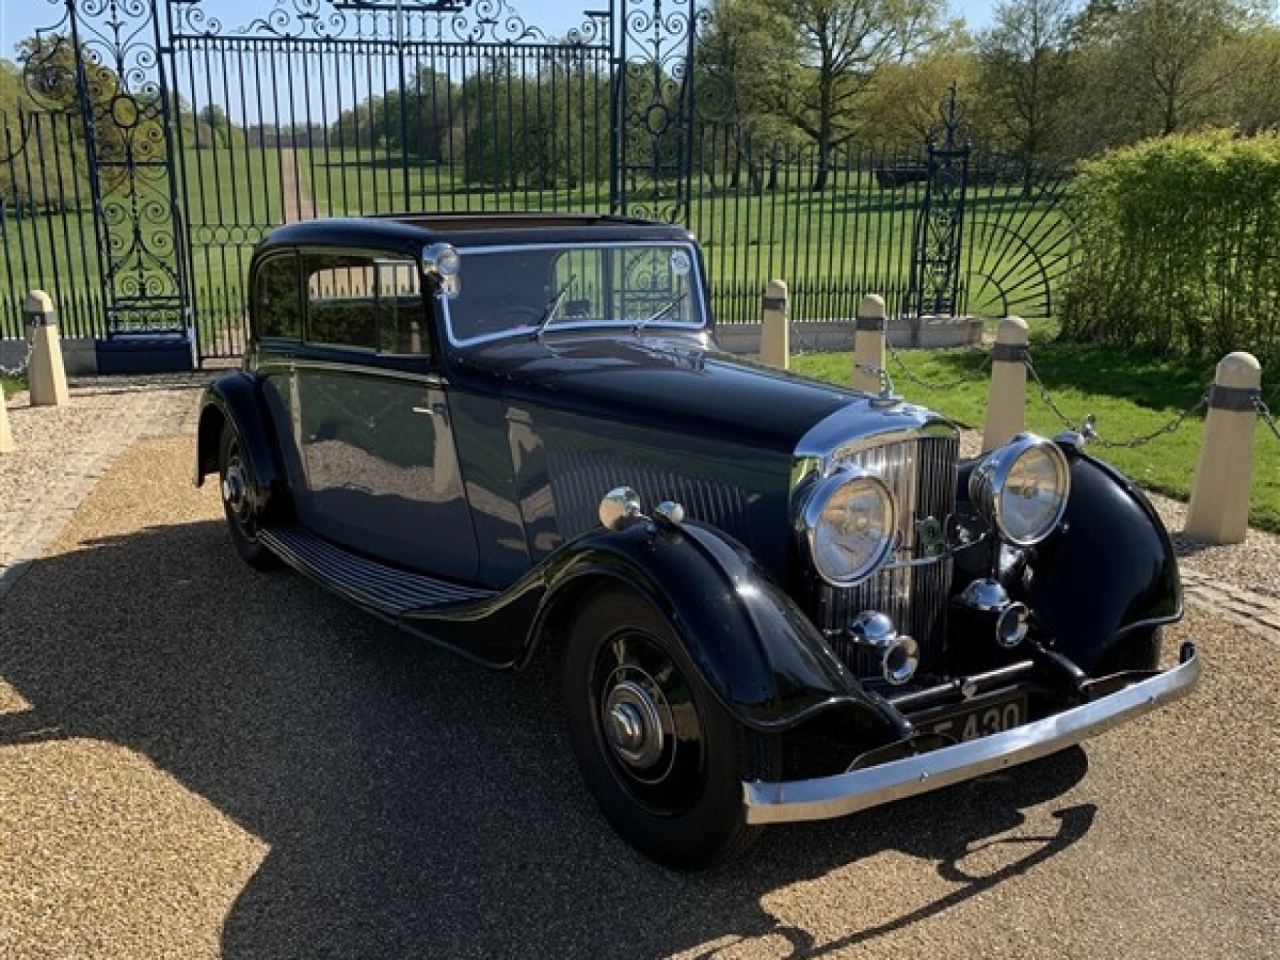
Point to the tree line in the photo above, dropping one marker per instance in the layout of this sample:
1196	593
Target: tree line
1048	82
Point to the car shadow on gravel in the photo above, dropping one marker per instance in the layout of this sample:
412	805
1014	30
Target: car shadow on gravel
416	804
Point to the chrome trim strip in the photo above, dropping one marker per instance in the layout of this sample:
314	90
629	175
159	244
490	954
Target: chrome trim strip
845	793
304	363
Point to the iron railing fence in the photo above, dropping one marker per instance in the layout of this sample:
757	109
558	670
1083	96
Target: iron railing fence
755	209
48	236
752	207
136	194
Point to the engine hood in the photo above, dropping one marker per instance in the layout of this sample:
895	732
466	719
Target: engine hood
684	385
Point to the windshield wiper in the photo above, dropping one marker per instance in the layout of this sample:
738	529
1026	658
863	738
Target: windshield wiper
666	309
553	307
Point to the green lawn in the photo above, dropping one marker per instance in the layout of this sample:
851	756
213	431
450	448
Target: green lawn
1130	394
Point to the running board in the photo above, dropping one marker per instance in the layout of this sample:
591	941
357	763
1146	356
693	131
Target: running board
387	590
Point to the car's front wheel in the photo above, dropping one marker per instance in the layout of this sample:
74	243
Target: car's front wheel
237	485
663	758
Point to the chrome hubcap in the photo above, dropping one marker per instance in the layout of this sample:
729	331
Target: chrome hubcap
633	724
234	489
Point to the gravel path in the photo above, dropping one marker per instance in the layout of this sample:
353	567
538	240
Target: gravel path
197	760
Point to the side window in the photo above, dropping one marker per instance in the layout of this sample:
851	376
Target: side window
366	302
278	306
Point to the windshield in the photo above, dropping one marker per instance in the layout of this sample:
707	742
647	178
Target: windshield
532	289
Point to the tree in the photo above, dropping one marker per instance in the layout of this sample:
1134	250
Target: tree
38	166
902	105
840	46
1027	73
214	126
543	128
1251	104
1162	56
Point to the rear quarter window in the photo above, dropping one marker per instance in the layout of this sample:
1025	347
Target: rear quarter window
277	304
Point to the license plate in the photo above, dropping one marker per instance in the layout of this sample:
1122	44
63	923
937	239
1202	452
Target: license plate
980	720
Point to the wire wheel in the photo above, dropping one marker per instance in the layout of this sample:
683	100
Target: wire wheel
663	758
237	485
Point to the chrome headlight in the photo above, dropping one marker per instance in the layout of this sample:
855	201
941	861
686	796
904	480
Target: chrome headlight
443	261
848	523
1022	488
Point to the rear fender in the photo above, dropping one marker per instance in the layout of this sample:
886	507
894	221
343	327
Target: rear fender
236	398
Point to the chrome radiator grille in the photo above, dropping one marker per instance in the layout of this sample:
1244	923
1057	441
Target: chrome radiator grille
921	473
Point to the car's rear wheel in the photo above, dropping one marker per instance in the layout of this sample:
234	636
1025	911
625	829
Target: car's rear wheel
239	500
663	758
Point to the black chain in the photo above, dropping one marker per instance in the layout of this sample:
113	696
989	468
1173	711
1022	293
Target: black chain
1090	433
20	371
1266	416
924	385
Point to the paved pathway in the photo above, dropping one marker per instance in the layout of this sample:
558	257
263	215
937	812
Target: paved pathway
63	451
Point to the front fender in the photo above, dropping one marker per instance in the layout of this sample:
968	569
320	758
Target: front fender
755	649
236	398
1110	572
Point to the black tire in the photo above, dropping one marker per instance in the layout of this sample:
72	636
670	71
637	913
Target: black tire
236	483
667	772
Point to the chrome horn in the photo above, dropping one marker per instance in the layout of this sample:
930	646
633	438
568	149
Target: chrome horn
899	654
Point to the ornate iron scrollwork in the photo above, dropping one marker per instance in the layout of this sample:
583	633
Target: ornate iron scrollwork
653	130
101	59
940	224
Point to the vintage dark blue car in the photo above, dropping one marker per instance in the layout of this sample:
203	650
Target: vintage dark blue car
771	599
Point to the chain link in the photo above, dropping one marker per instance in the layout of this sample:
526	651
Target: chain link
1090	433
925	385
20	371
1266	416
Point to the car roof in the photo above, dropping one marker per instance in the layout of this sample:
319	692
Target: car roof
413	231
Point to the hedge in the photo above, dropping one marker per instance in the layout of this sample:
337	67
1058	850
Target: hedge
1179	247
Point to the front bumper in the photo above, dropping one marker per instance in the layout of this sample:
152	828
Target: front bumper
844	793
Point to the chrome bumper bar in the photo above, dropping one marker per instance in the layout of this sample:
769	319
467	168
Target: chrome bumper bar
845	793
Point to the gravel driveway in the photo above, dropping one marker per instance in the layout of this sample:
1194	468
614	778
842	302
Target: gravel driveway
197	760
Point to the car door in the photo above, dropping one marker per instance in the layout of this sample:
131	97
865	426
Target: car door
376	459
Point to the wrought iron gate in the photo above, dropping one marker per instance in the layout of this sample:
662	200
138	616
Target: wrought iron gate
167	143
200	136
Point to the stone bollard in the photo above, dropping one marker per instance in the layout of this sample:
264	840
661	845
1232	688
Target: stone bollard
1007	399
6	435
46	376
775	333
869	344
1219	511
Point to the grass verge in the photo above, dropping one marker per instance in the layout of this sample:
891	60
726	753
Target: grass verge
1131	395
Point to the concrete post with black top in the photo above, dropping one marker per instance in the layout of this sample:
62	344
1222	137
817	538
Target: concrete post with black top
775	333
1007	400
46	376
1219	510
869	344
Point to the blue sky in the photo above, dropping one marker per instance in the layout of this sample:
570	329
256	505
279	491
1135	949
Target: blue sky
20	18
